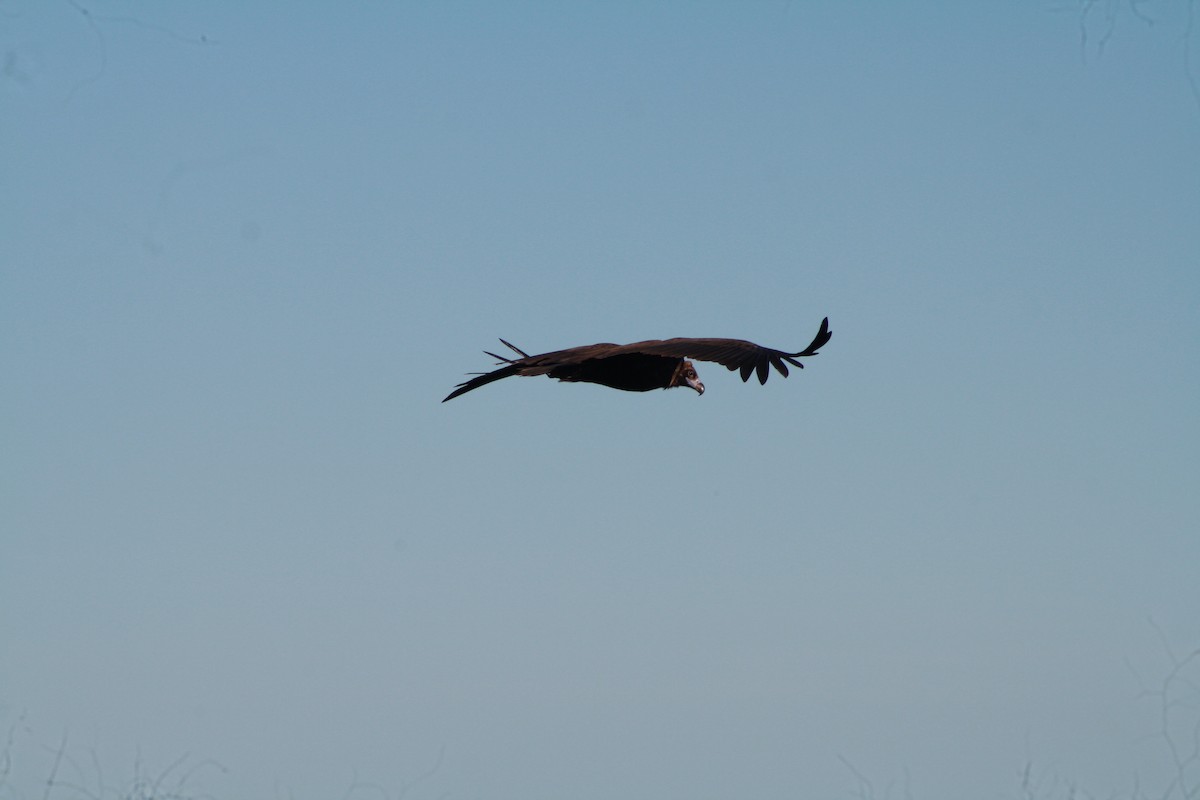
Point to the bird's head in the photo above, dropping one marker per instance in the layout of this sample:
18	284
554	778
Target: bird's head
685	375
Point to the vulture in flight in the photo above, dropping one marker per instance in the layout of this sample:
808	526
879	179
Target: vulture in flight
642	366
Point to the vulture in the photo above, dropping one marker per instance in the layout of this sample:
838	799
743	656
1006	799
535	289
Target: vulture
642	366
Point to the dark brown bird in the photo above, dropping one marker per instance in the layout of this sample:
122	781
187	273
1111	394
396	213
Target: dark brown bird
642	366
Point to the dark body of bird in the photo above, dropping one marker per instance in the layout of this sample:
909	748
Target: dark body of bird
642	366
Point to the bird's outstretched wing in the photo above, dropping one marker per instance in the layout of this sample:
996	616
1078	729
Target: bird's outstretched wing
733	354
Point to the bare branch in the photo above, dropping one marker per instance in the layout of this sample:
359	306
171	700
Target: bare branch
58	757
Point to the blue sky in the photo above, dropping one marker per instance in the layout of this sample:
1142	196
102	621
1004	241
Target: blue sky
249	247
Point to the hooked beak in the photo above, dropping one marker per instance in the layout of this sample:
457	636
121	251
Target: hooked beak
696	384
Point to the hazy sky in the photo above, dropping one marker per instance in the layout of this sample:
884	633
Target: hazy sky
246	249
